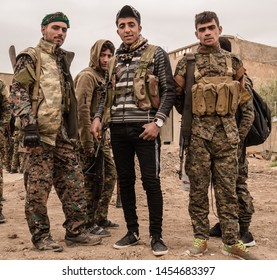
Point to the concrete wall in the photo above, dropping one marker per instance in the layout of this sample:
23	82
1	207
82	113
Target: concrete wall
7	78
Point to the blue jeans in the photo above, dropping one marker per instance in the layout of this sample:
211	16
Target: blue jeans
125	145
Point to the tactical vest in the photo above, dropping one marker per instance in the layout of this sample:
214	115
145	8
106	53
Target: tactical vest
49	99
219	95
145	84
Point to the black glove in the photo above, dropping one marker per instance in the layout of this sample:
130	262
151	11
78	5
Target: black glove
31	136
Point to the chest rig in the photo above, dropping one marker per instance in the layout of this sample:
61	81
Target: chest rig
217	95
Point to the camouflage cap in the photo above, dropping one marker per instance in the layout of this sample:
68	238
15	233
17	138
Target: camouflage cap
55	17
128	11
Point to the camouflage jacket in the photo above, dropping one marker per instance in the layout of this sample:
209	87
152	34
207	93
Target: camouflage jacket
211	62
56	105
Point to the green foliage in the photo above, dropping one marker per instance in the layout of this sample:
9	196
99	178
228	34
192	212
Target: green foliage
274	162
268	90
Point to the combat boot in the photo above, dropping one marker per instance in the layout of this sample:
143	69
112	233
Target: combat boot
215	231
246	236
82	239
47	243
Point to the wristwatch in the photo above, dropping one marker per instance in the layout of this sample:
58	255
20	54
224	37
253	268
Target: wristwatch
159	122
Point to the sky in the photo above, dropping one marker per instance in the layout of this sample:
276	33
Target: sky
169	24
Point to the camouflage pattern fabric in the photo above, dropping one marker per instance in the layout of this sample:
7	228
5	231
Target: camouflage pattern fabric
15	163
245	200
5	115
90	185
55	166
109	184
2	154
222	172
8	147
213	152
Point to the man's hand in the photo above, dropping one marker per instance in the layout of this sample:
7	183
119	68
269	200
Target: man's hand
31	137
96	129
151	131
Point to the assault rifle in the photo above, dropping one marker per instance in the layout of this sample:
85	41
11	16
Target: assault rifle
95	173
185	128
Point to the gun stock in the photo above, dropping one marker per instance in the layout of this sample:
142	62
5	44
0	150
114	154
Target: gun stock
12	55
181	154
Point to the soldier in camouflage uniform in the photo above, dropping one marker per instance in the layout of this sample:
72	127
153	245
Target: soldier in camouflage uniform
245	200
88	86
212	151
5	115
43	98
15	164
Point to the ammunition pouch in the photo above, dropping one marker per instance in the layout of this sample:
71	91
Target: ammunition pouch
215	96
146	91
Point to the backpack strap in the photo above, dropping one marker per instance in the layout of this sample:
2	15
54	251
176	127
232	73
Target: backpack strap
187	110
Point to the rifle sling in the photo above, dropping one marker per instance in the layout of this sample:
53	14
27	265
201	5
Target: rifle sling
187	110
36	85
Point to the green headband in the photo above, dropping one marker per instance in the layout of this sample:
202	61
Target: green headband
59	16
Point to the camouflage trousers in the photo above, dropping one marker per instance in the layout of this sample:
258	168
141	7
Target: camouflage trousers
8	147
245	200
100	211
2	154
16	157
57	166
213	162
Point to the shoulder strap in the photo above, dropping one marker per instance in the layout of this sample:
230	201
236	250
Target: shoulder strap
34	53
145	59
187	111
36	85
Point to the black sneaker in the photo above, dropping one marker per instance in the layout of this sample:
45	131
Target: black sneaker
96	230
158	246
2	218
108	223
215	231
130	239
248	239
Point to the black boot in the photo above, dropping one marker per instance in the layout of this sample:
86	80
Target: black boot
246	236
215	231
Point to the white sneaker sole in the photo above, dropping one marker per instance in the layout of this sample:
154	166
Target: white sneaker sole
125	246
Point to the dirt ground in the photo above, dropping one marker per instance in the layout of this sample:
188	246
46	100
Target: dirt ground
15	241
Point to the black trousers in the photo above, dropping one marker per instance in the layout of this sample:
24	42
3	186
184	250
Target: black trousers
125	145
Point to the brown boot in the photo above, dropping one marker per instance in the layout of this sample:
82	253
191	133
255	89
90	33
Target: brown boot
48	243
83	239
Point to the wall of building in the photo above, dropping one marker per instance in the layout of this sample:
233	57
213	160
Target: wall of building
7	78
